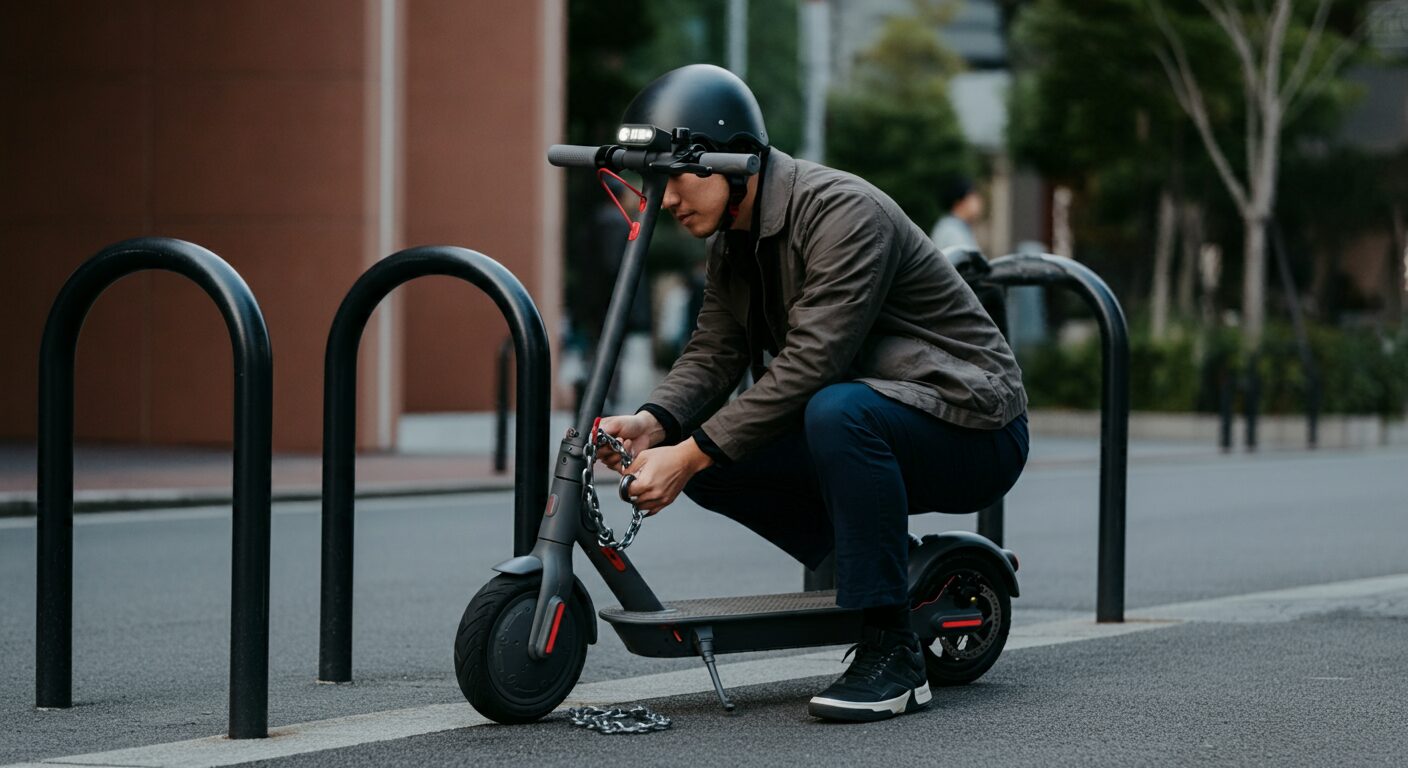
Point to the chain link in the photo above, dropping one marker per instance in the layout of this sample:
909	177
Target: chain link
637	719
591	504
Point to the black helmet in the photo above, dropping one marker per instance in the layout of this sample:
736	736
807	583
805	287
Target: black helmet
712	102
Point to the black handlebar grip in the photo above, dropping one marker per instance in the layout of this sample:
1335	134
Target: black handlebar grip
572	156
728	162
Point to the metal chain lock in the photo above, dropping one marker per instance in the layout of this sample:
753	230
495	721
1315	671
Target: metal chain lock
591	504
637	719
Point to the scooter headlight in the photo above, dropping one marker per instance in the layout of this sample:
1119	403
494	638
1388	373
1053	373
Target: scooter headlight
643	137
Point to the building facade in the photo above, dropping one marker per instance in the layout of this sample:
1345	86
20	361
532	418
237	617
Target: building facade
301	140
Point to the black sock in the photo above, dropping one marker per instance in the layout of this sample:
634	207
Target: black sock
891	618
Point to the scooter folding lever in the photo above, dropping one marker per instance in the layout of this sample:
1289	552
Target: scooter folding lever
704	641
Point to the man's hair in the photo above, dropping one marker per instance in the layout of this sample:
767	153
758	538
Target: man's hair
954	190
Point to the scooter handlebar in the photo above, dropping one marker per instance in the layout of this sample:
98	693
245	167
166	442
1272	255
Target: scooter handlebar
729	162
572	156
619	158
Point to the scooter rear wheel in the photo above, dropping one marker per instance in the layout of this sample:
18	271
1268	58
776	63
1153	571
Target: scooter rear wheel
492	663
967	582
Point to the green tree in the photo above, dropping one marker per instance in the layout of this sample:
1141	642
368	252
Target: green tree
1094	107
1286	54
893	125
1091	109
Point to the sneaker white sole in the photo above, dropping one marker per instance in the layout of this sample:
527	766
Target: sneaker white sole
838	709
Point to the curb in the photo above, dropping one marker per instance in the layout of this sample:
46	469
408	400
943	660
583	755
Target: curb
24	504
1336	431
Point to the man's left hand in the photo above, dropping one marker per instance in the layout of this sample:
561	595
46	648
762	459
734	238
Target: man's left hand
661	474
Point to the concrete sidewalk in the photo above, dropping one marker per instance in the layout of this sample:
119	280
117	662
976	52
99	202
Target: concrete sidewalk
452	453
109	477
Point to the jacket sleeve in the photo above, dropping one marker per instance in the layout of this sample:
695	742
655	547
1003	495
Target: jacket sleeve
711	364
849	270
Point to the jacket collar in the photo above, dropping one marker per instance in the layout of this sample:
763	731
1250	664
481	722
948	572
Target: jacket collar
778	181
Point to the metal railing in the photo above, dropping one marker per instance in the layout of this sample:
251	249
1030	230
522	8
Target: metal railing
253	429
1055	271
339	420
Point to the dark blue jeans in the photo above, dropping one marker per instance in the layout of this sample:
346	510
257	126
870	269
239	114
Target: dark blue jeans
849	478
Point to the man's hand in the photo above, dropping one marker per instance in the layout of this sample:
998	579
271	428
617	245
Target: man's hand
661	473
636	432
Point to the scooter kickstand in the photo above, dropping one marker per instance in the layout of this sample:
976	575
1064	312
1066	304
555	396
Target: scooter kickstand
704	641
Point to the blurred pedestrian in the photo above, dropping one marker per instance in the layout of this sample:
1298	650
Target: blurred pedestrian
964	207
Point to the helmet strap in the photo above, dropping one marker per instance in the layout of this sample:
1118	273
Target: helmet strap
737	190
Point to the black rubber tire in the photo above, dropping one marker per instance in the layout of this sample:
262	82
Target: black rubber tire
491	652
948	670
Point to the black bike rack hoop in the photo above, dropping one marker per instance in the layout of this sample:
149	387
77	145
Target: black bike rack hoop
1049	270
253	429
530	470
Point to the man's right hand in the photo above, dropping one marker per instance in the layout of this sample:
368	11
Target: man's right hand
636	432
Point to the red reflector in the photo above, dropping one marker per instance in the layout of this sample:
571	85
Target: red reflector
613	557
961	623
678	639
552	506
556	622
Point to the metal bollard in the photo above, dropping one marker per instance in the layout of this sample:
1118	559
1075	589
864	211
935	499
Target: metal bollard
340	421
249	600
1045	269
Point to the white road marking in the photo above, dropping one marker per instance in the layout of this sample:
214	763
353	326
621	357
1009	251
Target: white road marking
1375	594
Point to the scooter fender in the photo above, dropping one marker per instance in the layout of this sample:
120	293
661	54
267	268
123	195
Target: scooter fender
937	546
527	565
523	565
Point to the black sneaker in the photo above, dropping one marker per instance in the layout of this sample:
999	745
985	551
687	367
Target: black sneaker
887	678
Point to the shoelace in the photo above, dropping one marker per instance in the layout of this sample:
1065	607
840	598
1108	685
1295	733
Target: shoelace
870	661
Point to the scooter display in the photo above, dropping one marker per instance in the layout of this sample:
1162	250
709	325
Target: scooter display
523	638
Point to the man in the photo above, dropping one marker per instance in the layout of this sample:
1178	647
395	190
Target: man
964	207
955	228
890	391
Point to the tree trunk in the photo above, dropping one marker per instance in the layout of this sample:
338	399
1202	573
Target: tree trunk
1191	237
1163	264
1253	280
1062	239
1398	269
1321	274
1210	273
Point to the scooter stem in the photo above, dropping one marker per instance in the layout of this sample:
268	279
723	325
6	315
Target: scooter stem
560	529
614	331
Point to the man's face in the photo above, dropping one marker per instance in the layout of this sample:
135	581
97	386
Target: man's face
697	203
970	208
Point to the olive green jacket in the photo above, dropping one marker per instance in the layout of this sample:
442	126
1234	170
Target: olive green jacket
867	297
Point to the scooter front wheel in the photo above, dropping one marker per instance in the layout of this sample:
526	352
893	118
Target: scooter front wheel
492	663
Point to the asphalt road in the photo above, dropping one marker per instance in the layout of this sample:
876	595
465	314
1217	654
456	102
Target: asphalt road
1200	694
151	628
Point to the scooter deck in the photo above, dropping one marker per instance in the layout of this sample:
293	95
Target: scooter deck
746	623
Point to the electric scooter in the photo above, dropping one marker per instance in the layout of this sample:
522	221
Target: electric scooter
523	639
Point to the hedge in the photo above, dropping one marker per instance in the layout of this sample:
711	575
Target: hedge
1361	371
